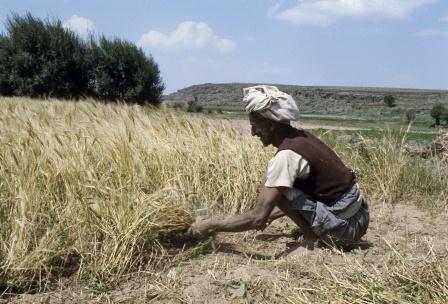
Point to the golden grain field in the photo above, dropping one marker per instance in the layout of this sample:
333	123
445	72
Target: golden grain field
90	189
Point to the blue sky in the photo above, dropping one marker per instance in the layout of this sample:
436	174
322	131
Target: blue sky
375	43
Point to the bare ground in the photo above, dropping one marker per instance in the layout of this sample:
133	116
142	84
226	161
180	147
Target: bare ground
249	267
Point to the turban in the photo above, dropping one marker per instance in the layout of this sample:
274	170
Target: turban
271	103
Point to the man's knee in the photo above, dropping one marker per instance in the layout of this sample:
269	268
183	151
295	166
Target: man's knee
284	205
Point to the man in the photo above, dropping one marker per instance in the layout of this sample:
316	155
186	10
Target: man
305	180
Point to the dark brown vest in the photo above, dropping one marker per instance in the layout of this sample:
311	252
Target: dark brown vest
329	178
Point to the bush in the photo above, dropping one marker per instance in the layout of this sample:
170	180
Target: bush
445	116
178	106
396	111
438	112
193	106
389	100
410	115
199	108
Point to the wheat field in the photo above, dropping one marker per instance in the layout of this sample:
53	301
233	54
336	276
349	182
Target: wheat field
91	190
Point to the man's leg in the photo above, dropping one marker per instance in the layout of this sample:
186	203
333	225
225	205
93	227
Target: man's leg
309	237
285	206
351	231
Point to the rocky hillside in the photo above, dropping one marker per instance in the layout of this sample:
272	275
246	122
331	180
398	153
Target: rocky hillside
313	98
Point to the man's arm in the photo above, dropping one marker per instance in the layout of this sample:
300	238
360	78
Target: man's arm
254	219
275	214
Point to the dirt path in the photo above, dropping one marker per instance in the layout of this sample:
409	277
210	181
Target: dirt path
248	267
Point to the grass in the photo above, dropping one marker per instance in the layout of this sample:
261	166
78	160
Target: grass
399	279
87	188
93	191
389	175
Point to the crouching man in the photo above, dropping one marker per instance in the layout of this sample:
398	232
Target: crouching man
305	180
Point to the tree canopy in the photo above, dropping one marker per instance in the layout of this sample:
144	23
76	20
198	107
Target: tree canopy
438	112
389	100
41	58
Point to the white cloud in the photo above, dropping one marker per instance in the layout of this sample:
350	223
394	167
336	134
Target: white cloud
273	9
444	19
188	35
324	12
432	33
82	26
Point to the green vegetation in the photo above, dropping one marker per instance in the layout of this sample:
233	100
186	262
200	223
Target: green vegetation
375	134
42	59
438	112
121	71
178	106
5	50
194	106
389	100
410	115
369	123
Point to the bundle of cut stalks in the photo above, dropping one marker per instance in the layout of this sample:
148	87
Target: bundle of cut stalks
110	239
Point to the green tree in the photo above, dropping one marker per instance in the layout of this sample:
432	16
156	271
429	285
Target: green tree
5	69
410	115
199	108
121	71
193	106
445	116
41	58
45	59
437	112
389	100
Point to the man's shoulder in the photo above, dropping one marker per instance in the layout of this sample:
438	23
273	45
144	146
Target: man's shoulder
287	155
295	137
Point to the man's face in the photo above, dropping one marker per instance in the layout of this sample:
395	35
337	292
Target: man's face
262	128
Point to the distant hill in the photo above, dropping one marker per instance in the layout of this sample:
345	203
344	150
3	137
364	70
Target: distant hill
313	98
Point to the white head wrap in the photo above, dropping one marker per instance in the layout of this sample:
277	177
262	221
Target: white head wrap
271	103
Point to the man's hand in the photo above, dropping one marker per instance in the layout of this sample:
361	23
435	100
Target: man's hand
275	214
253	219
201	228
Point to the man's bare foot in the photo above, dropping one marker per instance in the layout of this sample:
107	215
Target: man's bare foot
304	247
